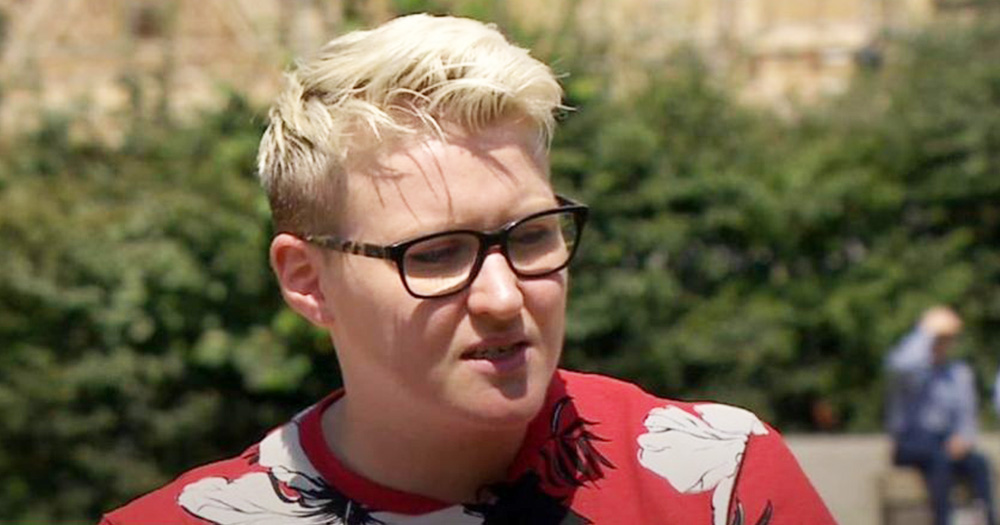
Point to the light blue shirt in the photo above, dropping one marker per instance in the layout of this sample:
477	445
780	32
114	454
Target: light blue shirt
928	400
996	393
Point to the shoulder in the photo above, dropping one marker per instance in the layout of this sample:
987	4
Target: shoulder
593	385
771	482
162	504
961	366
743	461
694	451
597	391
961	371
257	482
614	398
671	438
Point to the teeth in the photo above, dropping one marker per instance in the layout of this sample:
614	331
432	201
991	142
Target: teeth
492	352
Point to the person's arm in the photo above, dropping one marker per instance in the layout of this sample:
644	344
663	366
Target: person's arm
908	366
996	393
914	354
912	357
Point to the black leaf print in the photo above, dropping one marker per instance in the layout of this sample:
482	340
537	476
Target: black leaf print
739	516
571	457
557	470
328	503
765	518
523	502
594	460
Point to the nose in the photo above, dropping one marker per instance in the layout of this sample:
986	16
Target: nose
496	291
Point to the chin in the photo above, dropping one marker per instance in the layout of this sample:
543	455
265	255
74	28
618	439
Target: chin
513	403
517	413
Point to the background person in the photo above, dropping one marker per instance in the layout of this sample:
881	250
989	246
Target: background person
996	393
932	412
408	176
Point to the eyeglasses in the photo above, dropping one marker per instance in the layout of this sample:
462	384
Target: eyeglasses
445	263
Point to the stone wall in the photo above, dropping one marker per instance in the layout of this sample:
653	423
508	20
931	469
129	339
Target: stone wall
776	52
845	469
102	58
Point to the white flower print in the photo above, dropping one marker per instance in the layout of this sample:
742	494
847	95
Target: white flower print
291	492
251	498
255	498
697	454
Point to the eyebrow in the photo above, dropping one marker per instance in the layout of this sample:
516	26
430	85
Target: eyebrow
450	224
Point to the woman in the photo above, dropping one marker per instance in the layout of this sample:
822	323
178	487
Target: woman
408	175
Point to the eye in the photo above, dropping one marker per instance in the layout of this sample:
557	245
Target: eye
543	231
533	234
441	254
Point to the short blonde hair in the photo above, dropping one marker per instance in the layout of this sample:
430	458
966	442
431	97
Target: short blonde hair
402	78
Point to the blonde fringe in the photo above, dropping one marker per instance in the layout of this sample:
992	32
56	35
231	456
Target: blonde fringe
405	77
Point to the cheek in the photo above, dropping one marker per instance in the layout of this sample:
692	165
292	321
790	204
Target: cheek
546	302
370	306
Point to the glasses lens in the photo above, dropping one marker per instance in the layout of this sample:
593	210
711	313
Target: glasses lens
440	264
542	244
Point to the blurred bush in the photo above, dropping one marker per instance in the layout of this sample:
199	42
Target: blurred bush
731	255
140	328
771	263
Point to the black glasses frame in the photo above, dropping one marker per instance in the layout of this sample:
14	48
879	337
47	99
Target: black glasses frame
396	252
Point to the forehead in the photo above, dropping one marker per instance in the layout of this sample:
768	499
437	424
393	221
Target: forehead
456	179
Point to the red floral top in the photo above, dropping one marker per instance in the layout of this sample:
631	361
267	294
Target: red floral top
601	451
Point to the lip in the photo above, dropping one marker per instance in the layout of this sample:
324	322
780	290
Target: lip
483	355
494	342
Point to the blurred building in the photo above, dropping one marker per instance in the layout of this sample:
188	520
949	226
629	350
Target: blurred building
100	59
775	52
103	58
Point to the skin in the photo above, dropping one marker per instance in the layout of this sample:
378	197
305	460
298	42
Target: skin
420	412
957	447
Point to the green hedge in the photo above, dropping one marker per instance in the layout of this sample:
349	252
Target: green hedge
731	255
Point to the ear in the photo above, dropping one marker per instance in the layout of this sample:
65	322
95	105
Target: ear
298	267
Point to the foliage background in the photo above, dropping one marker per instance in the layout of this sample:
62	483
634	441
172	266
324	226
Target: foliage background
731	255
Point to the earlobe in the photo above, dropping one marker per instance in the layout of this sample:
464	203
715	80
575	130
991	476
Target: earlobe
298	268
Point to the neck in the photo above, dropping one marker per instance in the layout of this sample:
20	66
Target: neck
412	454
